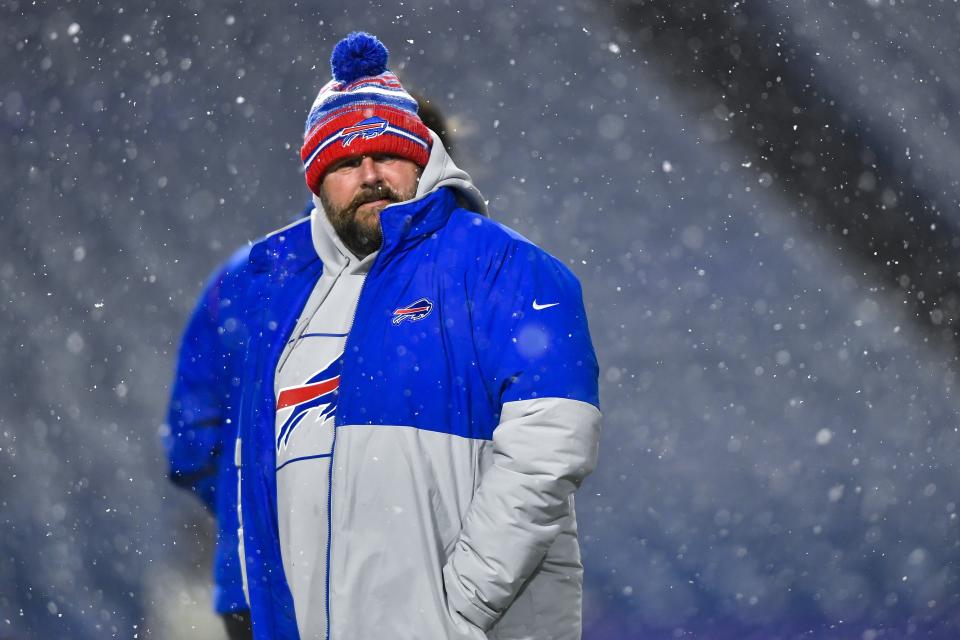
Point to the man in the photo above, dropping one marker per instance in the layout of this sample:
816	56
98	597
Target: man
419	395
202	421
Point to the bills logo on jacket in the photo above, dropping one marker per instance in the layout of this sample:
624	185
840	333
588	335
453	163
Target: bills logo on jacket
367	129
317	396
414	311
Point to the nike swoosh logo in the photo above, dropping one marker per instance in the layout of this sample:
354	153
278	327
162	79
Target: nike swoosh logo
538	307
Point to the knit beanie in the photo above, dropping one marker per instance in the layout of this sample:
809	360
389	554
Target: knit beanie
363	110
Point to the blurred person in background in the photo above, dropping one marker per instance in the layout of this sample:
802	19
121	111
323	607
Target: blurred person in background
202	417
419	394
201	427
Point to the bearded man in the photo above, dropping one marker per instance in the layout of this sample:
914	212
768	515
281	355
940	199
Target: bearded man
419	395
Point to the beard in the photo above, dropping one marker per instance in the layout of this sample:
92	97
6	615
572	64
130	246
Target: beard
359	230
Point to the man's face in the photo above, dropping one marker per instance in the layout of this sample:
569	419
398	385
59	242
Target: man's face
355	190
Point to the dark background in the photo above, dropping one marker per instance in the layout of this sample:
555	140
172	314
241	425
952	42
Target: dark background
760	199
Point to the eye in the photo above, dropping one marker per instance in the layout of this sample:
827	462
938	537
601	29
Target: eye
349	163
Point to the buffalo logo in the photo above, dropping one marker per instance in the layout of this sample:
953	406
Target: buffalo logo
369	128
319	393
413	312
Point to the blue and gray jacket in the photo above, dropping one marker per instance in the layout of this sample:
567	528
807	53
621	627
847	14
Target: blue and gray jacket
459	435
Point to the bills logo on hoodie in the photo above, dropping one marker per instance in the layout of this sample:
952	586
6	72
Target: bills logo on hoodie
317	396
414	311
369	128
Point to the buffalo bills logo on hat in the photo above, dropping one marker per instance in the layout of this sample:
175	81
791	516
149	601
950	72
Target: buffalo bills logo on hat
318	393
367	129
413	312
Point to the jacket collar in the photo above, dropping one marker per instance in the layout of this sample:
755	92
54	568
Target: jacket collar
406	223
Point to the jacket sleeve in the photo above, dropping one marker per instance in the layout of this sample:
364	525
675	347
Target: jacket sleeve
194	437
536	355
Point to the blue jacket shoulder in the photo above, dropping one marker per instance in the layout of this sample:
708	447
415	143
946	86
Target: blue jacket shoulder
490	244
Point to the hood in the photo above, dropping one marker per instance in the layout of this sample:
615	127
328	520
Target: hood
440	171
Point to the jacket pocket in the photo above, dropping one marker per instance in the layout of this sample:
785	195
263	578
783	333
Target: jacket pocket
465	629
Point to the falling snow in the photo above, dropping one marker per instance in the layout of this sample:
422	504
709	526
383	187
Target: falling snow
758	198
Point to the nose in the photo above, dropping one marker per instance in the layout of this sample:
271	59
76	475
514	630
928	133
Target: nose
369	171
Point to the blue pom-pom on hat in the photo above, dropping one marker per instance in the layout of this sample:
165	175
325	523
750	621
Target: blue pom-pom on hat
359	54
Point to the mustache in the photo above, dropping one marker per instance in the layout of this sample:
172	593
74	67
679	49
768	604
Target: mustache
379	192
